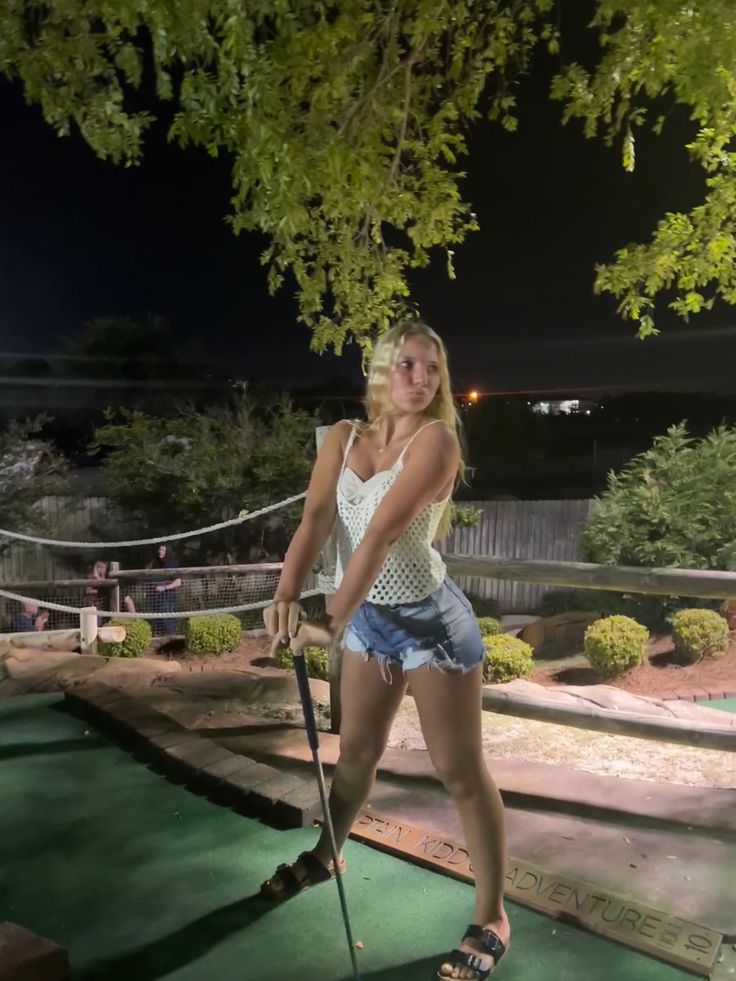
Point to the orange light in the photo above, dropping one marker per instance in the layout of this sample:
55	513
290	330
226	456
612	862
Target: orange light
473	396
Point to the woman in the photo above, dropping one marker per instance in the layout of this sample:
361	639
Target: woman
93	595
388	483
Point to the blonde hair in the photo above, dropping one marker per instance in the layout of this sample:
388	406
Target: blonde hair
377	401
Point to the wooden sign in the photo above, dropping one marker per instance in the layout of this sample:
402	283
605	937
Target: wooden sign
669	938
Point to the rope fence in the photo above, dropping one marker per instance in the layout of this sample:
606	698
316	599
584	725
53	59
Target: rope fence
174	614
159	540
162	596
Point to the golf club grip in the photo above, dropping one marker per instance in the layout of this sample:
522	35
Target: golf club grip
300	666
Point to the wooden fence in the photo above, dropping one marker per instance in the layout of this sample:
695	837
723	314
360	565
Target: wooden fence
69	517
512	529
519	530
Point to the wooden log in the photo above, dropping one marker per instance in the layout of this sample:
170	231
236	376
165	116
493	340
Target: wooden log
586	575
112	635
34	584
606	720
62	639
115	591
200	570
125	574
88	630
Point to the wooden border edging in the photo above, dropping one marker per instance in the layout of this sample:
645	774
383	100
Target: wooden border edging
610	721
587	575
668	938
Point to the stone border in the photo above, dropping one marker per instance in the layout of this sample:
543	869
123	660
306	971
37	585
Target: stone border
249	787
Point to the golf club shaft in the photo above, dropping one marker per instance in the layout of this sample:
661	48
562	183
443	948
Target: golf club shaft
313	738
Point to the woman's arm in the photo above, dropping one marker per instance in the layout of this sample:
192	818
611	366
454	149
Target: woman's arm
318	516
432	463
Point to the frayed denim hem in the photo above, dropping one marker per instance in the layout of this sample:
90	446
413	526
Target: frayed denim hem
409	660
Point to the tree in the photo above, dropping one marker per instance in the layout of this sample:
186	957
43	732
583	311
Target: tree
346	122
133	348
198	468
30	469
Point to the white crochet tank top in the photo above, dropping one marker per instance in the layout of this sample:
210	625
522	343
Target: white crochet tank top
413	568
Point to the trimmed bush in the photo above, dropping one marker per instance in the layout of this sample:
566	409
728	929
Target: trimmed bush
317	660
489	626
615	644
698	633
138	636
214	633
506	658
485	606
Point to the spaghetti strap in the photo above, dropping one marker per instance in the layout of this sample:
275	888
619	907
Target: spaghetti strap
421	428
348	447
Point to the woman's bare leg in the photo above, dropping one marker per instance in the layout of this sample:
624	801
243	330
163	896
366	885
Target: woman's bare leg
449	708
368	706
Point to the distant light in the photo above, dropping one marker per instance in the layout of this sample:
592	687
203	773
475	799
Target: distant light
473	396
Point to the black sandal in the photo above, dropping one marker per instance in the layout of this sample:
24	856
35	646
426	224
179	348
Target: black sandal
284	883
460	958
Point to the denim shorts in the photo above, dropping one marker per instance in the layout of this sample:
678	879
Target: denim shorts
440	630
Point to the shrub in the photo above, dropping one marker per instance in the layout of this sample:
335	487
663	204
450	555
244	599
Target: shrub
314	607
317	660
615	644
489	626
506	658
671	506
698	633
138	636
213	633
485	606
464	516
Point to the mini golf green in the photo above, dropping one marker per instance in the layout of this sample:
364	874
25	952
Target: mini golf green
141	879
725	704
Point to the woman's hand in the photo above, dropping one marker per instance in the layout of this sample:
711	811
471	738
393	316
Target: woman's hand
281	619
313	635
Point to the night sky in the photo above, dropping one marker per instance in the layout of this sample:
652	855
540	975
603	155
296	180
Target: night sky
80	238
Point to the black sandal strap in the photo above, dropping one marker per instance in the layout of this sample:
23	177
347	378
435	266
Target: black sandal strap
316	871
491	942
461	958
290	884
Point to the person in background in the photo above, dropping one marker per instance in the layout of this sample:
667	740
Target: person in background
29	619
94	596
164	595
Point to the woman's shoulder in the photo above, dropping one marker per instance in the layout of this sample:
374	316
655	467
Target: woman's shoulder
437	432
340	432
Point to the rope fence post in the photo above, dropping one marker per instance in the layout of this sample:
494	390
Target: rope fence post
326	585
115	591
88	630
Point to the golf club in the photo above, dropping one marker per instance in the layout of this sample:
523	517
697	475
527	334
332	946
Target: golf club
305	694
